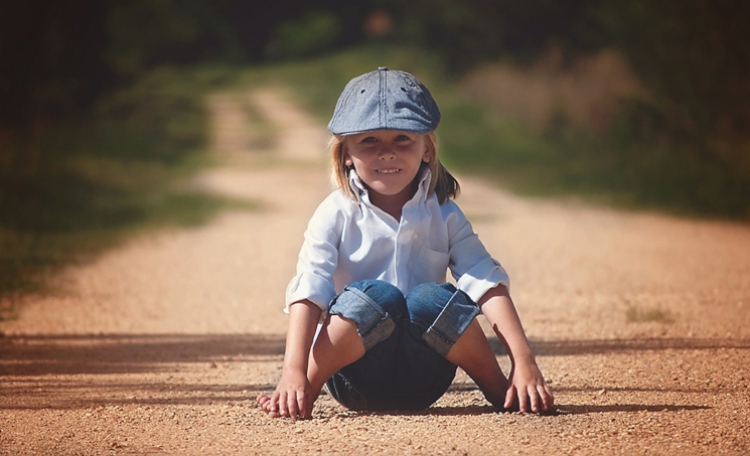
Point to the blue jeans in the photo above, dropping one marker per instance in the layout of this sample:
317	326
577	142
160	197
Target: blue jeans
406	340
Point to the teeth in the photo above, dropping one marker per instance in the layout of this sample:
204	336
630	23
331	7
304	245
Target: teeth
388	171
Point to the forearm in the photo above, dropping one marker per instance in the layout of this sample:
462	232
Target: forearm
498	308
527	385
303	320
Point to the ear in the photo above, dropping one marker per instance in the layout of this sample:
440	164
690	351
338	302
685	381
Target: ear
427	155
345	153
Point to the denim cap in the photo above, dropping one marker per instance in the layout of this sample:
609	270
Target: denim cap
384	100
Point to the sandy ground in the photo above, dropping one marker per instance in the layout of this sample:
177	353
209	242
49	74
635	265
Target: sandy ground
641	324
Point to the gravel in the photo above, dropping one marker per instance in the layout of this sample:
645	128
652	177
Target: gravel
640	321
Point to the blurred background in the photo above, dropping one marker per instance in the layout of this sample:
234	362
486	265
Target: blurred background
639	104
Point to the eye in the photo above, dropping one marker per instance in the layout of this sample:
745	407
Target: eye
402	138
369	139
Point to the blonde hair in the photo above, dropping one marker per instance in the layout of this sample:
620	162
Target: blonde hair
442	182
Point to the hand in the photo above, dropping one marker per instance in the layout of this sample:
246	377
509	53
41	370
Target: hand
292	398
527	382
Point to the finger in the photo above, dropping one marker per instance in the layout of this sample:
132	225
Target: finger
283	404
292	405
547	398
534	399
263	402
523	400
510	396
271	407
274	406
302	405
543	398
308	409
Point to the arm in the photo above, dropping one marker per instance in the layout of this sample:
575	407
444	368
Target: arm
306	297
526	380
485	280
293	397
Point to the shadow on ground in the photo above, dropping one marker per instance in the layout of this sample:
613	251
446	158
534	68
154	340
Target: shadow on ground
26	355
127	353
604	346
35	362
626	408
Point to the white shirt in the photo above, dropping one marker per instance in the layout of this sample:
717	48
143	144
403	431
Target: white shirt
347	241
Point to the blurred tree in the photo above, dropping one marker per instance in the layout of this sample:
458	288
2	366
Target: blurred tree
56	58
50	60
312	34
470	31
258	23
145	33
695	56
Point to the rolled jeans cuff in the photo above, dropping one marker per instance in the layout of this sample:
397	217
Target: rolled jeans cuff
451	323
373	323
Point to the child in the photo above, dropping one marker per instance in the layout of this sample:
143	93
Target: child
372	271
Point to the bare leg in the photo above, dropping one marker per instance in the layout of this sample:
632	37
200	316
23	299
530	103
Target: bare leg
473	354
337	345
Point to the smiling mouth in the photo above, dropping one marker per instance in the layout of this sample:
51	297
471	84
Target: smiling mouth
389	171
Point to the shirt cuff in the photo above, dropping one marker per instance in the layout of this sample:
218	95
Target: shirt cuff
484	276
311	287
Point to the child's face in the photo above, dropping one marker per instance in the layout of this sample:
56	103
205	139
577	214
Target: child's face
386	160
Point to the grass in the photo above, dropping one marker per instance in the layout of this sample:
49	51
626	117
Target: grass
318	82
678	179
632	166
70	191
636	315
263	133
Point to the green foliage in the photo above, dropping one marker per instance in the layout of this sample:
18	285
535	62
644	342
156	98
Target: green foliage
165	106
468	32
634	165
636	315
694	57
318	82
310	35
70	191
145	33
50	67
685	148
629	169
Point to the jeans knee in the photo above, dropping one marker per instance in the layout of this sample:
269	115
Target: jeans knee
441	312
426	301
384	294
374	306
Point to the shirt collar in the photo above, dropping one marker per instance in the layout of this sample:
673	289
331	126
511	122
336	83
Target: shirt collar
359	189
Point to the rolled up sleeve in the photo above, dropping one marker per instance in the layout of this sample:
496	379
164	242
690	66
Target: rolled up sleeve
474	269
485	275
318	259
312	287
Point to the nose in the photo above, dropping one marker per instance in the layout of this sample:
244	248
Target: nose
386	153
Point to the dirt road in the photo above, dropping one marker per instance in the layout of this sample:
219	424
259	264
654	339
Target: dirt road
641	323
